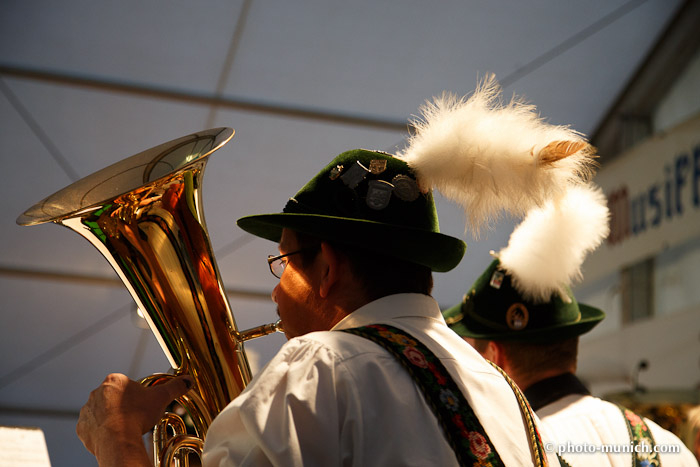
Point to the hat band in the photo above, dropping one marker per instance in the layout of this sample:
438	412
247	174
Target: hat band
351	208
293	206
469	311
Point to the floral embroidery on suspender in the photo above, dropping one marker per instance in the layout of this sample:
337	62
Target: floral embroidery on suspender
462	428
640	435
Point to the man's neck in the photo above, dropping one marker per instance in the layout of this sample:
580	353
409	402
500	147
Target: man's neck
526	380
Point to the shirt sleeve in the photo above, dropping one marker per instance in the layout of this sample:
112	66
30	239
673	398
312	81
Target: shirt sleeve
290	414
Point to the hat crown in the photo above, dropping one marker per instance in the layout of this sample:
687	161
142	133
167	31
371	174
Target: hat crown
367	185
493	298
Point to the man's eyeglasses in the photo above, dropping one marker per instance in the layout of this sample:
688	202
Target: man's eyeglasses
279	263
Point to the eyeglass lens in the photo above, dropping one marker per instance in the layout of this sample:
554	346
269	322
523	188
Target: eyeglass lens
277	267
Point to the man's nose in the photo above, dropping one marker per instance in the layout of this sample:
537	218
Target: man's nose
273	295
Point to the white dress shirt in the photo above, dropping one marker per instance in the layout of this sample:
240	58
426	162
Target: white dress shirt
332	398
583	422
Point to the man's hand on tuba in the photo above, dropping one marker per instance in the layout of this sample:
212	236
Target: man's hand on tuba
119	412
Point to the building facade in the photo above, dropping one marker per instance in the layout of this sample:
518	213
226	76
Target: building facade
646	276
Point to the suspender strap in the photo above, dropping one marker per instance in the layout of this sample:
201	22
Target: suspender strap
536	444
462	429
642	440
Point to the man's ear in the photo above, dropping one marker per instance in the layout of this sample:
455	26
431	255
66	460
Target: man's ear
331	262
496	354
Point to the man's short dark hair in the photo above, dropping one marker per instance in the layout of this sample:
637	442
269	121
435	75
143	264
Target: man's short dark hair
379	275
530	357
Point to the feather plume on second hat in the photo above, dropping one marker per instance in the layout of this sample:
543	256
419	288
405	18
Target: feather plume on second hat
546	250
493	157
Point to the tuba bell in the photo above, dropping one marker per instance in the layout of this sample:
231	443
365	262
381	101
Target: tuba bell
144	214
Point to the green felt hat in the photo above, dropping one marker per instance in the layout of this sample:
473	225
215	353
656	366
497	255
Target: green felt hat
494	310
367	199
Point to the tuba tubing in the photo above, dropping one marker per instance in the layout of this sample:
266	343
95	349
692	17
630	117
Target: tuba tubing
144	214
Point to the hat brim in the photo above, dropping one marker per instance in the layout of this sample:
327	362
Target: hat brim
590	317
437	251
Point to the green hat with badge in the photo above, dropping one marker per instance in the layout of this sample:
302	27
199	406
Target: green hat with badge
493	309
384	203
524	295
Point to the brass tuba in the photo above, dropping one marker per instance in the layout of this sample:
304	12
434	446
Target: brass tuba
144	214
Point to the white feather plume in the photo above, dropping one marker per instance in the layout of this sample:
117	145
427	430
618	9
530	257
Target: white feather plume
547	249
492	157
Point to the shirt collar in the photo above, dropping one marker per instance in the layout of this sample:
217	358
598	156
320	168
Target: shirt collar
552	389
391	307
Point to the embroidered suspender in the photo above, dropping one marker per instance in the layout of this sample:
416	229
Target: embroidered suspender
535	439
640	435
462	428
